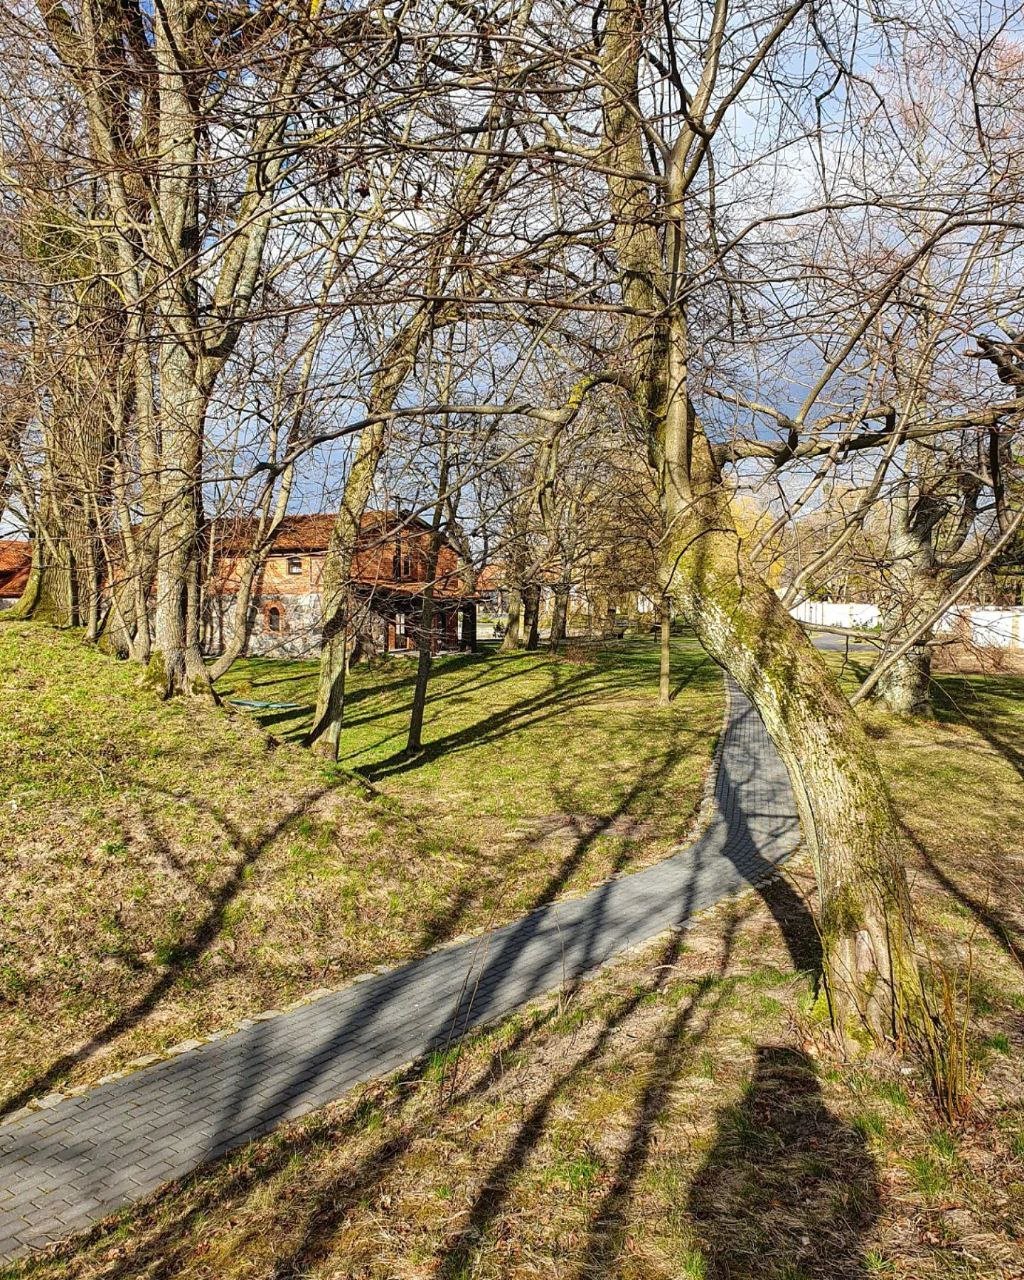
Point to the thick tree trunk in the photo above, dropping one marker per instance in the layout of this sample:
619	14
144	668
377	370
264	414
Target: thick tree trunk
913	595
513	638
25	606
176	663
848	821
665	671
846	814
905	688
49	595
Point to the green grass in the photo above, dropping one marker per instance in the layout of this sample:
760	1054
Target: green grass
685	1114
514	736
168	869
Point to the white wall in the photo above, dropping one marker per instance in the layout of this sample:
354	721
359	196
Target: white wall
824	613
996	628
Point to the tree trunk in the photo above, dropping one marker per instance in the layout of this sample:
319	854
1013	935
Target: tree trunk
426	636
30	596
468	641
848	821
513	638
846	814
913	594
49	595
335	588
335	582
531	616
559	615
905	688
665	672
176	664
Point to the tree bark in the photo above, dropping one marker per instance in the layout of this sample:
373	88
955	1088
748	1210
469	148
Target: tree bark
469	637
905	688
531	616
426	636
559	615
847	817
513	638
341	551
665	671
913	593
845	811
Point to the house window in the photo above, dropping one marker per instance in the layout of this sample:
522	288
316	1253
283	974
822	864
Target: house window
402	561
274	619
399	625
294	564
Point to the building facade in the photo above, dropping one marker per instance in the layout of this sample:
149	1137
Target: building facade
15	563
390	575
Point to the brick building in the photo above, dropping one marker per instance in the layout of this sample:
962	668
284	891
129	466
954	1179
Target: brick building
15	563
388	580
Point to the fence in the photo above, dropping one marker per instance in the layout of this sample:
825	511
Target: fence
993	628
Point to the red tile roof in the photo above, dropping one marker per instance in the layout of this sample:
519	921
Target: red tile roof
303	533
374	565
15	563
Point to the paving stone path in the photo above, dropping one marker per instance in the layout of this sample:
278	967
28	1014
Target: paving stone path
64	1167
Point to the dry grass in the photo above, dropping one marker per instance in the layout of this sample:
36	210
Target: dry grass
958	657
167	871
678	1117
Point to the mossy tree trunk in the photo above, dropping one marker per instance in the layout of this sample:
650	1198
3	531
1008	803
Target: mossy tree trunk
846	814
847	817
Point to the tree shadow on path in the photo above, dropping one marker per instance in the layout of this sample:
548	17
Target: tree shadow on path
789	1189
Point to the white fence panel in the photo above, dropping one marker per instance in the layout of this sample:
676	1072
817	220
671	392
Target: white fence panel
828	613
998	628
994	628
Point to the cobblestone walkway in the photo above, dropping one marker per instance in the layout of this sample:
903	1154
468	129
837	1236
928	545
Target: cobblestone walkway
67	1166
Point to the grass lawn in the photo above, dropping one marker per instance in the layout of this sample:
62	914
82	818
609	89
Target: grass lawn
169	869
680	1116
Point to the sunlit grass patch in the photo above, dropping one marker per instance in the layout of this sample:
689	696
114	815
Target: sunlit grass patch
169	870
685	1113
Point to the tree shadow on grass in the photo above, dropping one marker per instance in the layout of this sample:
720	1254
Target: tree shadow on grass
996	923
323	1210
789	1189
497	1183
562	696
157	1252
198	940
955	709
695	673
